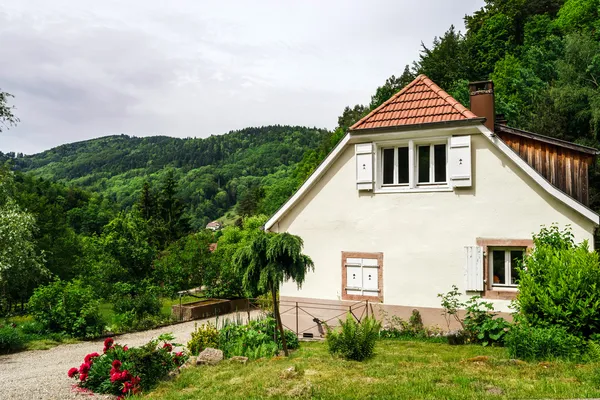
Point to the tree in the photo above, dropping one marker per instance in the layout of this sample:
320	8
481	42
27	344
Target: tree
267	261
7	118
21	267
392	86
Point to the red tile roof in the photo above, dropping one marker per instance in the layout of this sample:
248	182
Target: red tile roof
419	102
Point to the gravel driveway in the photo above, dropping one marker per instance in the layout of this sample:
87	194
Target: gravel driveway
42	374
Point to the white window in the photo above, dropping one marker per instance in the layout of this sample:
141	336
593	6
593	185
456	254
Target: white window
431	164
395	166
505	264
414	164
362	276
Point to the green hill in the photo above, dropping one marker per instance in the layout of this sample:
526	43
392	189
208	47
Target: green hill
213	173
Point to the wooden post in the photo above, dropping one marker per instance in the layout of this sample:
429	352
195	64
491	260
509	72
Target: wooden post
180	309
367	307
296	318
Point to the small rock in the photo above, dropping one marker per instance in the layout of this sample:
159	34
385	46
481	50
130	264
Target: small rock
456	337
209	356
239	359
290	373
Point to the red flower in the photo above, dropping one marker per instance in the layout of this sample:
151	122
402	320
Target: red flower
116	364
125	375
90	357
108	342
135	380
168	346
180	354
83	377
84	368
72	372
125	348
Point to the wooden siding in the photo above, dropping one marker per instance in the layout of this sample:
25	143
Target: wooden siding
565	168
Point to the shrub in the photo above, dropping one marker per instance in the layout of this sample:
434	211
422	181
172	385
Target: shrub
11	338
559	285
137	307
396	328
205	335
67	307
123	371
259	338
353	340
531	343
479	325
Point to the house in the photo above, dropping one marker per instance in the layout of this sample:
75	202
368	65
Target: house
422	194
214	226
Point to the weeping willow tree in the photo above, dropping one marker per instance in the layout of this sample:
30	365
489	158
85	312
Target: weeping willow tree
269	259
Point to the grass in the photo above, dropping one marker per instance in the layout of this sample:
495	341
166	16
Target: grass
400	370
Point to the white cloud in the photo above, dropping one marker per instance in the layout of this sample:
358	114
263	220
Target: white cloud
81	69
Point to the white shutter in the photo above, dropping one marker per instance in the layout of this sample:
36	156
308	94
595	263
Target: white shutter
474	268
370	281
459	161
353	277
364	166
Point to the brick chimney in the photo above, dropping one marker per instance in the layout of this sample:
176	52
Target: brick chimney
482	101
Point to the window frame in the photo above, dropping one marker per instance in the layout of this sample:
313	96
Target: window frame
507	265
413	184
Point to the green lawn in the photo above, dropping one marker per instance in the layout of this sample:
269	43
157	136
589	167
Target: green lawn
400	370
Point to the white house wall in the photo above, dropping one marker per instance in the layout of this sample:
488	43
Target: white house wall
422	235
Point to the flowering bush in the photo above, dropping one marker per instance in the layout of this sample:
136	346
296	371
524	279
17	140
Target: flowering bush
124	371
205	335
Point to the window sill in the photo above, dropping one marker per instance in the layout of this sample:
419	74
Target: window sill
404	189
501	294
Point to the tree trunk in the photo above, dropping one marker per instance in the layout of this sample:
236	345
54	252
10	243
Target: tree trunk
278	320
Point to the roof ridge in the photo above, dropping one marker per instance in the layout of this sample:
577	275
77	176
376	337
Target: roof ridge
391	99
446	96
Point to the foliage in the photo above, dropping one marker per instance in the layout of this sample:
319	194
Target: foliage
268	260
11	338
479	323
67	307
395	327
354	340
137	307
558	287
203	336
7	118
124	371
543	343
259	338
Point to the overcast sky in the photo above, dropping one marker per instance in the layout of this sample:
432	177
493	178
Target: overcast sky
81	69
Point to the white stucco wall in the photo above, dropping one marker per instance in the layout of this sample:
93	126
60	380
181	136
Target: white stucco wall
422	235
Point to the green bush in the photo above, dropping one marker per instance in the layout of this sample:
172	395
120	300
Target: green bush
137	307
479	324
397	328
353	340
203	336
11	338
259	338
559	284
67	307
123	371
529	343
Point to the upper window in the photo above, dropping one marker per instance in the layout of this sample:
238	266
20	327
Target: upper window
504	266
395	166
429	166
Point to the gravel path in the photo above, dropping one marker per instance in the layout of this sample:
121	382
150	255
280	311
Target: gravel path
42	374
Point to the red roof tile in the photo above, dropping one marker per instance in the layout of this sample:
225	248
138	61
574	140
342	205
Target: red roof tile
420	101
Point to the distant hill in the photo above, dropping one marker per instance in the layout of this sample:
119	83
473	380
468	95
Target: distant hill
214	173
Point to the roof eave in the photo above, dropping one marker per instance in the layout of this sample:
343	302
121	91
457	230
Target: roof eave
425	125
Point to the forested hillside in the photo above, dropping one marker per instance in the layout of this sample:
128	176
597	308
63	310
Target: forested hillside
254	164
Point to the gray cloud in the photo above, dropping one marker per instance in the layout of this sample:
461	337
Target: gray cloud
81	69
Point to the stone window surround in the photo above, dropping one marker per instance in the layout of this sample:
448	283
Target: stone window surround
489	292
356	297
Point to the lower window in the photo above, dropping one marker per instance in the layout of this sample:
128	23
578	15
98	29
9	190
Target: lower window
504	266
362	276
